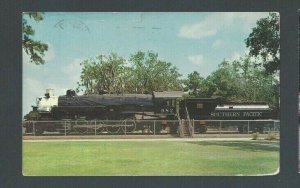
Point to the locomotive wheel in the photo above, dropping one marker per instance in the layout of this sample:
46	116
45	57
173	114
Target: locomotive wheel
202	129
80	126
39	131
174	129
28	127
157	128
114	129
146	130
100	127
65	126
258	130
81	130
241	129
130	125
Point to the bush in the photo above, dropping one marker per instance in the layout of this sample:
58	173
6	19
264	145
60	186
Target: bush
271	136
255	136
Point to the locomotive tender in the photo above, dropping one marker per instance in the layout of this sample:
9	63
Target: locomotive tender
163	106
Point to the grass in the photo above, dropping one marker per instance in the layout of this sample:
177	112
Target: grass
149	158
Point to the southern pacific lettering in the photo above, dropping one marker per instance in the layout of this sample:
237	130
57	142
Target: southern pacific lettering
226	114
252	114
237	114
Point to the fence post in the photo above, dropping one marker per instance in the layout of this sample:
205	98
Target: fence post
193	125
33	125
220	127
181	127
65	128
125	126
248	127
95	127
154	128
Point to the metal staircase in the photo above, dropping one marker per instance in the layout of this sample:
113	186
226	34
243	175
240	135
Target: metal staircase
185	128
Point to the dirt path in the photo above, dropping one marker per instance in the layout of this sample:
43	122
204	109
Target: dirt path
142	139
126	138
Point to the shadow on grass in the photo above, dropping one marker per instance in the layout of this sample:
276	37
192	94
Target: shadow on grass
240	145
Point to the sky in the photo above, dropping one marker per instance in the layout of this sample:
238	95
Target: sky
196	41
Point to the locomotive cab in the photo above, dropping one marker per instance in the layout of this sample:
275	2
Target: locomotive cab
167	103
198	109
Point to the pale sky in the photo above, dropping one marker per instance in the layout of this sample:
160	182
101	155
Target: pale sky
190	41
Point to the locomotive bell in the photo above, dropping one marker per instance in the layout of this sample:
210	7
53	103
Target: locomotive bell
70	93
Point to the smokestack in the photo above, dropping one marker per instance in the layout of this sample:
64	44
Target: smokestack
50	92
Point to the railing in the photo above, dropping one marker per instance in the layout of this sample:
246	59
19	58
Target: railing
132	127
190	126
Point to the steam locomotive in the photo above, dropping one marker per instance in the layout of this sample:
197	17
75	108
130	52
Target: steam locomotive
131	108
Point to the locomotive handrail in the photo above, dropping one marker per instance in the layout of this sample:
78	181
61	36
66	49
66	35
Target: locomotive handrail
189	122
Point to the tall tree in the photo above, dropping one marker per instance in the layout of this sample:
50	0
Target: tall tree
35	49
225	81
241	80
151	74
143	73
263	42
196	85
103	74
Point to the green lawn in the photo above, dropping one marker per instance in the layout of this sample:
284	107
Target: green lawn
153	158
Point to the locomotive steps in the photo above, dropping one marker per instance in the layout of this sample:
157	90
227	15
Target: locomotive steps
185	129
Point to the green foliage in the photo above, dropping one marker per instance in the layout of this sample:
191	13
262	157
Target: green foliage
35	49
194	83
151	74
238	81
272	136
143	73
224	81
103	74
263	42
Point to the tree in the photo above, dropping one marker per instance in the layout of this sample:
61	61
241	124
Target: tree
240	80
256	85
103	74
143	73
197	86
236	81
35	49
224	81
151	74
263	42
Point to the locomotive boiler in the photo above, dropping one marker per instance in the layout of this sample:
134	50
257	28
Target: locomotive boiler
124	107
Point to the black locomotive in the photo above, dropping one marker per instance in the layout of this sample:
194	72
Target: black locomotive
168	107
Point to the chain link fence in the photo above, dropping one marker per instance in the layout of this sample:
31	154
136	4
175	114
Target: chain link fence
153	127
